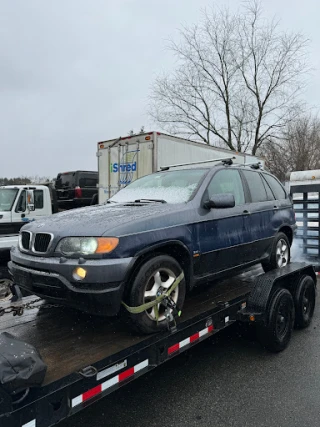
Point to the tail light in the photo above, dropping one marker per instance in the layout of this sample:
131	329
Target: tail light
77	192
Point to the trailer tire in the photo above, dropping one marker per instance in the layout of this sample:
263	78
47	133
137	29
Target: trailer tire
157	272
277	260
304	297
276	333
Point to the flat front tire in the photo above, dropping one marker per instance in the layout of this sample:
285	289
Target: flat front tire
155	277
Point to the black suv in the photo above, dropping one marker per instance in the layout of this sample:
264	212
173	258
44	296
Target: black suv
203	222
76	189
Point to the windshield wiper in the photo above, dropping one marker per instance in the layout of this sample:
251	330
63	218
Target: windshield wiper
111	201
150	200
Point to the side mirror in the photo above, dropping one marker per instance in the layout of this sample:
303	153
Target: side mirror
220	201
30	200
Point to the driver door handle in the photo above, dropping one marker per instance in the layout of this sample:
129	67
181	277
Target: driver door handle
246	212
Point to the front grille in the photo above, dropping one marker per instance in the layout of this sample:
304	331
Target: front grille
41	242
25	239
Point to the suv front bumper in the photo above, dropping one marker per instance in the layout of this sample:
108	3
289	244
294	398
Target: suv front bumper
99	293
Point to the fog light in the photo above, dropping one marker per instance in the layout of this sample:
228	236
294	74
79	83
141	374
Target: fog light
79	273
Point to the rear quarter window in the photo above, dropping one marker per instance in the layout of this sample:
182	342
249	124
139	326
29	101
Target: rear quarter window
88	181
277	189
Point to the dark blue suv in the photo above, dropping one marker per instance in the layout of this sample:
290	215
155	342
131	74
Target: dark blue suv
204	222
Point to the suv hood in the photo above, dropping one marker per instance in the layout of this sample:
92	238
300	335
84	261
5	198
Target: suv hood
112	220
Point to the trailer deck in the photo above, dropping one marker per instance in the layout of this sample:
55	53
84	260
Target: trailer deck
89	357
69	340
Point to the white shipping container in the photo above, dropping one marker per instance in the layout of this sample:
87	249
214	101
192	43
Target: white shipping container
123	160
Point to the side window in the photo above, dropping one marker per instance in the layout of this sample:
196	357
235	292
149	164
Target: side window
268	190
38	199
256	187
87	182
227	181
276	187
21	205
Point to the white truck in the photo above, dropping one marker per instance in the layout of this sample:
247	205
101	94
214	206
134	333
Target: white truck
20	204
122	160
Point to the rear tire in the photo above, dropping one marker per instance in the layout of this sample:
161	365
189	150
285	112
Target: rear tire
276	333
304	296
280	253
154	277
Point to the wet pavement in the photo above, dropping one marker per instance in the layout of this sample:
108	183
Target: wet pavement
228	380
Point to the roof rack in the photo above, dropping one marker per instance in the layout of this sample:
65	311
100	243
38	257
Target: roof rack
226	161
256	165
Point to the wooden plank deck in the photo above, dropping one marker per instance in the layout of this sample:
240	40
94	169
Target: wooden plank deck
69	340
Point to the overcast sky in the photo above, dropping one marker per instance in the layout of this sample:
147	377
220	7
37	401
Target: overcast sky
74	72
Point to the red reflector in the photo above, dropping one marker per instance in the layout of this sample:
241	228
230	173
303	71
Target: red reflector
91	393
77	192
173	348
126	374
210	328
194	337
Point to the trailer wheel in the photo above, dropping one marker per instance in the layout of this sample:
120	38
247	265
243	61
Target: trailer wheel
276	333
304	296
154	277
280	253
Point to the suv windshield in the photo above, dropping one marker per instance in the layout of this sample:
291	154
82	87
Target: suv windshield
7	198
172	187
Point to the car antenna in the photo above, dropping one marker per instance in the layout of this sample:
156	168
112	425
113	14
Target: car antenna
227	160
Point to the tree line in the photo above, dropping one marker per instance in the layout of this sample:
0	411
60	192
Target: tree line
24	180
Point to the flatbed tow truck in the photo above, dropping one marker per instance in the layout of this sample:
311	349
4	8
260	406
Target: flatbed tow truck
90	357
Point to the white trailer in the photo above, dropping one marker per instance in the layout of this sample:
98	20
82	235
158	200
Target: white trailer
123	160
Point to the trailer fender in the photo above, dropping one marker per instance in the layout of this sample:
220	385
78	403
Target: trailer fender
264	285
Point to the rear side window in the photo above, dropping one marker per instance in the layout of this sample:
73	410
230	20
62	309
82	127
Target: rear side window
268	190
227	181
256	186
88	182
276	187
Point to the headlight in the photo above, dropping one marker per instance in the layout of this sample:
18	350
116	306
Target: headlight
87	245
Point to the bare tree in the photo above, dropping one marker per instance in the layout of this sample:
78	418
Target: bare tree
299	148
237	81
